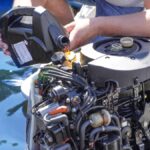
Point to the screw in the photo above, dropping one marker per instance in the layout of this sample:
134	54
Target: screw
74	110
68	100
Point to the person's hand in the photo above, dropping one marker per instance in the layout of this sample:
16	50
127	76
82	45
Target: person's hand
4	47
80	32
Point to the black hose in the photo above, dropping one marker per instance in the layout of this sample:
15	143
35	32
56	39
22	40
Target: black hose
57	69
84	113
82	134
66	78
74	143
91	100
59	73
74	76
89	104
70	74
105	91
116	119
107	87
103	129
123	102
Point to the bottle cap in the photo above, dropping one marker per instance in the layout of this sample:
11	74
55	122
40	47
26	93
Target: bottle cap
127	42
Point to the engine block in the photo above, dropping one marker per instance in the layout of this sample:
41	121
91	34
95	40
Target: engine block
76	112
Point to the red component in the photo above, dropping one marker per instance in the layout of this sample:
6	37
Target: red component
60	109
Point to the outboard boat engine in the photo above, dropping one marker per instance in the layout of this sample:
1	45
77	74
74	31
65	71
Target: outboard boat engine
33	35
96	98
101	102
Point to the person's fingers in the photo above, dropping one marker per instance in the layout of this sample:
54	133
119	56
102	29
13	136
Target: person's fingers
4	47
6	51
1	42
74	41
69	27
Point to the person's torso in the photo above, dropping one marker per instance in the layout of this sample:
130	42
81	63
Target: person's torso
127	3
118	7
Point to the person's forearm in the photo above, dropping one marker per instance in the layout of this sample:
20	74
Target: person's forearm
59	8
137	24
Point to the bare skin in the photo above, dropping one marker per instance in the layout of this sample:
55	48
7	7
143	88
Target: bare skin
59	8
137	24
